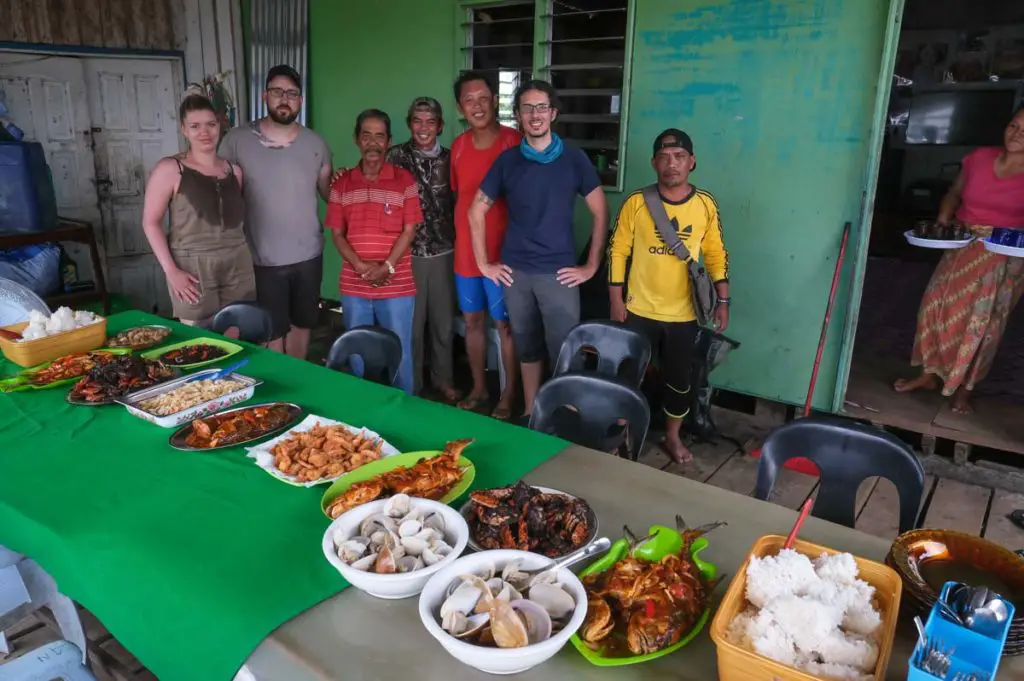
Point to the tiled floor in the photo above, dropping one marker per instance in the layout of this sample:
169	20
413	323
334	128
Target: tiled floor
725	464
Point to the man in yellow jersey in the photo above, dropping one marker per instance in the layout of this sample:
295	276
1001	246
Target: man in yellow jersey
659	303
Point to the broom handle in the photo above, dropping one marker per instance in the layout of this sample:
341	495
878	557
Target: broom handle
828	318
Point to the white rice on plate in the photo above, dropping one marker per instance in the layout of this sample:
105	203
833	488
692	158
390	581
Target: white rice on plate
816	616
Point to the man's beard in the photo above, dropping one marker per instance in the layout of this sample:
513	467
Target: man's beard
280	119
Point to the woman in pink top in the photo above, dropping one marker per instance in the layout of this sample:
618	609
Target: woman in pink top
972	292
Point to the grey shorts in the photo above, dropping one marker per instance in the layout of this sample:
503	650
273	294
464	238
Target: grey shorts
541	313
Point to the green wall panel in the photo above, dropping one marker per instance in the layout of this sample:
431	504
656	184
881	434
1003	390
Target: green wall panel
778	96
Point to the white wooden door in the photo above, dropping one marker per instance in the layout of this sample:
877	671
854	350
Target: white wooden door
133	105
46	96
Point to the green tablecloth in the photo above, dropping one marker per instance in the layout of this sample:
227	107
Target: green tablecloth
191	559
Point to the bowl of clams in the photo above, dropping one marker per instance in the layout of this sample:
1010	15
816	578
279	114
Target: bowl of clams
389	548
500	612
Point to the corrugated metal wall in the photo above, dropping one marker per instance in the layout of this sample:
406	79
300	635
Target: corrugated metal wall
120	24
280	35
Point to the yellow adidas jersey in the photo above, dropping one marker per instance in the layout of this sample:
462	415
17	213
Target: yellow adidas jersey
659	284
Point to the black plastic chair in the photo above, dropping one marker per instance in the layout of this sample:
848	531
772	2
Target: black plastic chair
252	320
622	353
846	453
380	350
598	404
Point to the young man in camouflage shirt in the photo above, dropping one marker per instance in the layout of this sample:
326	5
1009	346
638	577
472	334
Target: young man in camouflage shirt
433	245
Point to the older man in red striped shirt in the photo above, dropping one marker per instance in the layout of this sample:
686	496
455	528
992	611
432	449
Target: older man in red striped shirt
373	213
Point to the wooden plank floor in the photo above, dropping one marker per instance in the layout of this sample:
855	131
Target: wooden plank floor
947	503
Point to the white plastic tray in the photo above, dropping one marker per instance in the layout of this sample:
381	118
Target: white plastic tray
942	244
198	411
265	460
1012	251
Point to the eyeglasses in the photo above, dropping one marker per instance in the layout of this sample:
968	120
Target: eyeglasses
280	93
534	108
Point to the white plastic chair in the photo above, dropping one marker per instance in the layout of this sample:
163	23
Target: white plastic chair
57	660
42	592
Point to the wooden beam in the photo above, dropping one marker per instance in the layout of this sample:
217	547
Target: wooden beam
90	22
161	29
114	15
136	25
64	22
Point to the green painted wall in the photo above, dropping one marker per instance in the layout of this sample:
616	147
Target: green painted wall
778	96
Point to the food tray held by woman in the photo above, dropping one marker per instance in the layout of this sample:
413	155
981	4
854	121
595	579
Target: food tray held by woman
536	519
429	478
236	427
128	373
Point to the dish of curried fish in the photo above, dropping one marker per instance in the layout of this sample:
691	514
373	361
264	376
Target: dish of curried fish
236	427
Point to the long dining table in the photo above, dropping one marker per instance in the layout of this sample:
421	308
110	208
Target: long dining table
356	637
204	566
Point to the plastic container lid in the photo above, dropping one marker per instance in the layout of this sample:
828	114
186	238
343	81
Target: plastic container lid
17	301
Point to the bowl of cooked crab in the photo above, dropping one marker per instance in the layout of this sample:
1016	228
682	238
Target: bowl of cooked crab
391	547
502	611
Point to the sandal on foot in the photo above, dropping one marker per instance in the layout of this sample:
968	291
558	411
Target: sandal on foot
473	403
501	413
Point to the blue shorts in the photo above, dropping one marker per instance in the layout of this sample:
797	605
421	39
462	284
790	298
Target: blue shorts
479	294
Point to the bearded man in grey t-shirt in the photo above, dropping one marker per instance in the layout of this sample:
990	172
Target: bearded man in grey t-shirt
286	165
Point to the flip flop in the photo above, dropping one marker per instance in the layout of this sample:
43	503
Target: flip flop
501	414
451	395
1017	518
473	403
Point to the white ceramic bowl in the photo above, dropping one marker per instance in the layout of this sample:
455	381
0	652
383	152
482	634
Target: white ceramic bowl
399	585
497	660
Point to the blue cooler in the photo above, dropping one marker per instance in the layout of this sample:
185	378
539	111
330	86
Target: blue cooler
27	200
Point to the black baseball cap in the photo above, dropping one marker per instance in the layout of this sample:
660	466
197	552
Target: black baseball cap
673	137
286	71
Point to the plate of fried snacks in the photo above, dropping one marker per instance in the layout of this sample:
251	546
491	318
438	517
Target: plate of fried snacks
61	371
441	476
122	375
195	353
235	427
175	403
537	519
319	450
140	337
647	597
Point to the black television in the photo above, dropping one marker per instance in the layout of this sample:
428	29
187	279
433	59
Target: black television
965	116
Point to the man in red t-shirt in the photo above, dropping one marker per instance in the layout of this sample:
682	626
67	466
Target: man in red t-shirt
373	213
472	154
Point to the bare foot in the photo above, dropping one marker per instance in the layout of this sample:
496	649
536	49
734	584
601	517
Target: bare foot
503	411
676	450
450	394
962	401
922	382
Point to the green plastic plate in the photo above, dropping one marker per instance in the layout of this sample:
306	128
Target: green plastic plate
408	459
20	381
665	541
228	346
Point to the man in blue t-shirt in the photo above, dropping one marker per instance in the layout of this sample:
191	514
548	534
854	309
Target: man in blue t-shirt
540	180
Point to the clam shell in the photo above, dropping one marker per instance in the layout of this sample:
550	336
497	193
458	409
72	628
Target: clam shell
511	574
376	522
555	600
365	563
409	528
352	550
414	546
535	618
398	506
460	626
508	593
463	600
409	563
434	521
386	562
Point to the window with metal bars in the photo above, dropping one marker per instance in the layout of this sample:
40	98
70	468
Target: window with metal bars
500	41
584	52
580	46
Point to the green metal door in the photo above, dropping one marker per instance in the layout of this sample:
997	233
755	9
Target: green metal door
784	100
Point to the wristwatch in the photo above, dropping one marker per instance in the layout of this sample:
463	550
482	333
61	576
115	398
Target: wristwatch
724	301
391	268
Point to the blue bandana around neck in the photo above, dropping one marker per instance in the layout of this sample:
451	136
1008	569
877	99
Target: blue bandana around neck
553	150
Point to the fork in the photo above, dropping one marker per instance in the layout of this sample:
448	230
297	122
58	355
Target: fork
970	676
934	658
